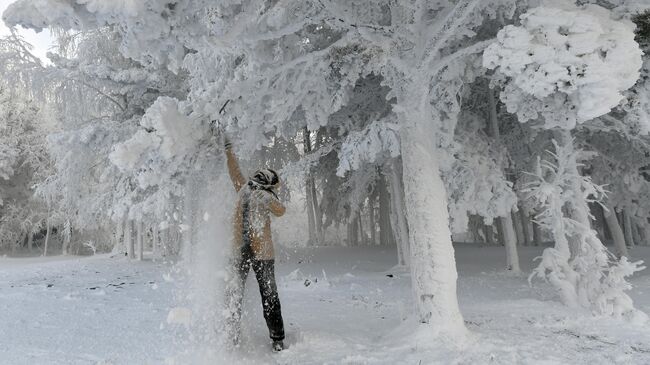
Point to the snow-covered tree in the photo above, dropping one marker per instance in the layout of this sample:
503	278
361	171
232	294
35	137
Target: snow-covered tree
24	162
281	67
565	65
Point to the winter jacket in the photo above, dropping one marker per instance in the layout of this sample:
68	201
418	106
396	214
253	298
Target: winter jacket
260	204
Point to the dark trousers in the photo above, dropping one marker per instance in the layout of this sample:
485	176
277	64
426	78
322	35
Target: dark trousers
265	274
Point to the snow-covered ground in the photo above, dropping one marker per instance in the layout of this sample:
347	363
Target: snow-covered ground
341	306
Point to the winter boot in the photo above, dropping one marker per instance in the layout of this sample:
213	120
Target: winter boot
278	345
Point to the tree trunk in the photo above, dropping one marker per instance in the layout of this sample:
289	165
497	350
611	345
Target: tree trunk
501	235
475	226
519	230
600	224
311	214
398	213
30	240
494	118
362	234
155	244
627	229
372	224
494	131
67	233
510	241
537	234
164	242
644	229
616	231
19	243
48	231
140	239
433	265
636	236
578	209
489	234
525	225
352	230
386	237
128	239
318	213
118	238
507	233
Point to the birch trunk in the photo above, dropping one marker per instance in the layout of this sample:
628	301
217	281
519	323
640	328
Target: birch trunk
118	245
433	265
48	232
140	243
518	226
616	231
128	239
66	242
318	214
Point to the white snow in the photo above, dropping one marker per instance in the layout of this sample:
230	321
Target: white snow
356	316
571	64
179	315
67	310
364	146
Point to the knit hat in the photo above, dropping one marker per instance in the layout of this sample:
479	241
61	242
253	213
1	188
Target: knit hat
267	178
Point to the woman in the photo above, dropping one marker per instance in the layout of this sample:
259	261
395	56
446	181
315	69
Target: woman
254	247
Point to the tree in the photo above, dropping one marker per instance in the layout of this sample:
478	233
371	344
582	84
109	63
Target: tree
290	65
562	72
24	162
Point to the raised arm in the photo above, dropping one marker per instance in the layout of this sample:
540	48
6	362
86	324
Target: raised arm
233	168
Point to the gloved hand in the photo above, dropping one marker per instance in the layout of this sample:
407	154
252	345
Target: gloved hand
226	142
260	196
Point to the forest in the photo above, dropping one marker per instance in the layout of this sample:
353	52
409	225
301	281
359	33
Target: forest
465	181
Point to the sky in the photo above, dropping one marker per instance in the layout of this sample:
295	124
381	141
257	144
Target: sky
41	41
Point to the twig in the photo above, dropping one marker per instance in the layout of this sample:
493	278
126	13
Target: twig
224	106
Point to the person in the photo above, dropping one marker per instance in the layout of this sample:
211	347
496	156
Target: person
254	247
